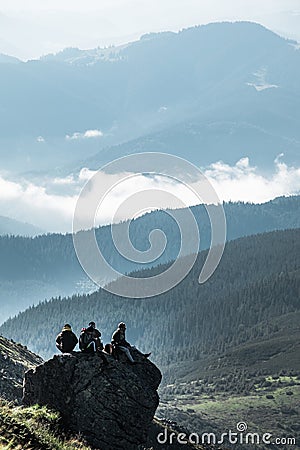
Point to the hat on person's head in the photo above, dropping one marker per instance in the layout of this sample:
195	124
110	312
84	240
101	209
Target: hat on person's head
67	327
122	325
92	324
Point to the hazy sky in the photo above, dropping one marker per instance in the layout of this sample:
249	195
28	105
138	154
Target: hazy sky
35	27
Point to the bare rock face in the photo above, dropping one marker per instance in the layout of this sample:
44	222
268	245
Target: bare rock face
14	361
112	407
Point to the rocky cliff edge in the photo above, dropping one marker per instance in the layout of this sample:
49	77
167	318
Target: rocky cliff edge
111	407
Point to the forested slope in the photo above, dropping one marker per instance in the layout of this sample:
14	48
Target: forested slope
52	257
256	283
33	269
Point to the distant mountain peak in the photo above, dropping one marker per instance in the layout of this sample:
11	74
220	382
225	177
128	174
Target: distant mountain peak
14	227
79	57
76	56
153	35
6	59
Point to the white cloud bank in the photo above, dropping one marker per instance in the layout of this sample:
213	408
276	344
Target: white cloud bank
86	135
244	182
50	206
31	203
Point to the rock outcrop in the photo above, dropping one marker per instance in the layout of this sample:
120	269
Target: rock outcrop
112	407
15	359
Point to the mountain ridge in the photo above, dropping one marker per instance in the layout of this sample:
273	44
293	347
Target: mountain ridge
7	59
15	359
9	226
203	74
54	269
249	277
67	54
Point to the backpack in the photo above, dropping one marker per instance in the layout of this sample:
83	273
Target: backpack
84	339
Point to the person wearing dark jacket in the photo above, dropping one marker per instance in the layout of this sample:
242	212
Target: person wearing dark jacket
94	344
95	337
119	343
66	340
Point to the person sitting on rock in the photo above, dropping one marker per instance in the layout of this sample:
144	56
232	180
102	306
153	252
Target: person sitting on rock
66	340
90	342
119	343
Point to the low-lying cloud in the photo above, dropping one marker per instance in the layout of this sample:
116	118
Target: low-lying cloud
245	182
50	204
30	203
86	135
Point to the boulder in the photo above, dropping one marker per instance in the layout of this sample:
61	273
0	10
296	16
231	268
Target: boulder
112	407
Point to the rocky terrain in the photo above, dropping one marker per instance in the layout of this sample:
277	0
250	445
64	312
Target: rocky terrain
72	402
112	407
15	359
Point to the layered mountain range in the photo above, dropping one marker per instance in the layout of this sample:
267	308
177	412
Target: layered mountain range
220	91
34	269
249	297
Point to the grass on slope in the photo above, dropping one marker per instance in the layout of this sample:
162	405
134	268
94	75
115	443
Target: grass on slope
272	410
257	382
38	428
33	428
